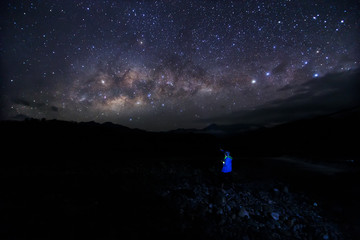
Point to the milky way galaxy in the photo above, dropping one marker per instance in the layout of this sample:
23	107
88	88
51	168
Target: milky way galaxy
161	65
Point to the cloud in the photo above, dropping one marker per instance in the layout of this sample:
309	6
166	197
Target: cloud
279	68
315	97
22	102
20	117
25	104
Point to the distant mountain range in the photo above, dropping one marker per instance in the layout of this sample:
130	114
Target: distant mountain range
221	130
335	134
235	129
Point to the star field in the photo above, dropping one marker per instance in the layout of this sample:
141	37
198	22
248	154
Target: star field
162	65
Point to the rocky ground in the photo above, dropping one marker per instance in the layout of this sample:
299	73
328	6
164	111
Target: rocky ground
67	180
241	209
163	199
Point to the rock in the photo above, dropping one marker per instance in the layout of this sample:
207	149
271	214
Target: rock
222	221
203	211
297	227
220	198
228	208
292	222
275	216
232	204
246	237
243	213
165	193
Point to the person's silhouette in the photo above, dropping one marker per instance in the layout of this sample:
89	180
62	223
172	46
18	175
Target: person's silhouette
227	163
226	176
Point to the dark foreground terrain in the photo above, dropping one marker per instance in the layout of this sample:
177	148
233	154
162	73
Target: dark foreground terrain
65	180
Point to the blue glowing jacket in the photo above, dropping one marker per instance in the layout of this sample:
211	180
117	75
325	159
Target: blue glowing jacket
227	164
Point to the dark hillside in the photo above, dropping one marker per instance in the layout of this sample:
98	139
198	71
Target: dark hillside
330	136
73	180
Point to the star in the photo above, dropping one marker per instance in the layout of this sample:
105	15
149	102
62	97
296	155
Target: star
153	60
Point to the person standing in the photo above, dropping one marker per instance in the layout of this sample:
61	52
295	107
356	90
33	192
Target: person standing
227	163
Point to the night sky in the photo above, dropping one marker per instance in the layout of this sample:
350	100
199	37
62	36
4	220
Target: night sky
161	65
